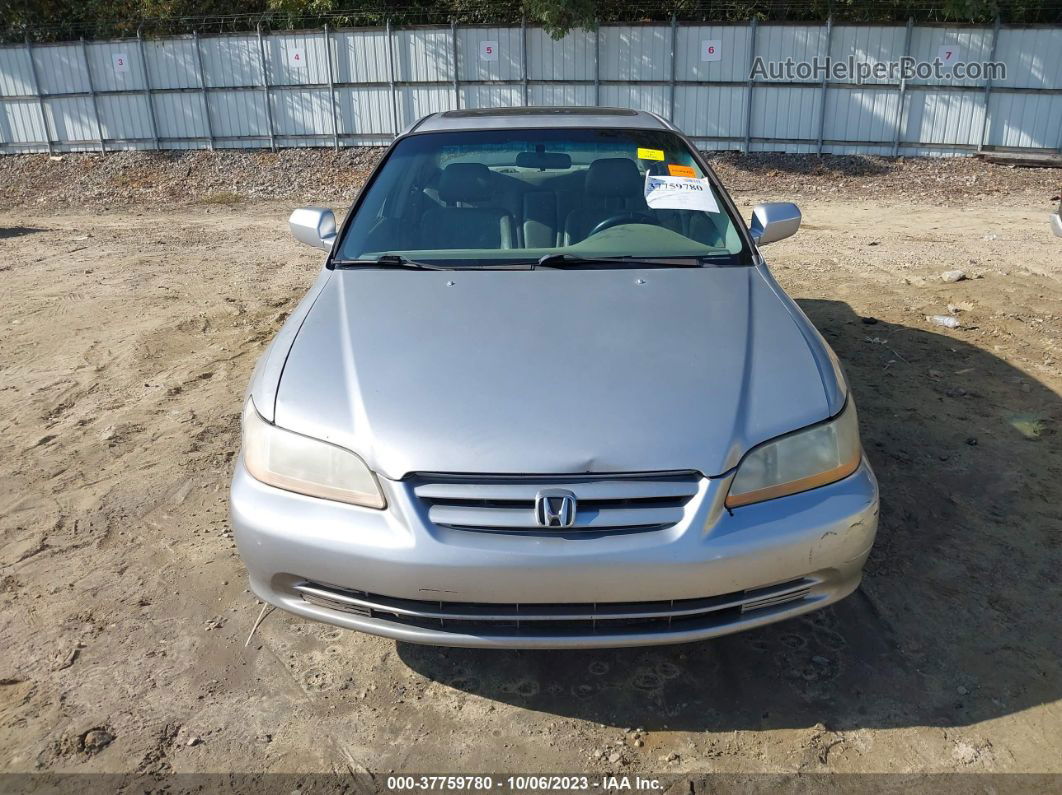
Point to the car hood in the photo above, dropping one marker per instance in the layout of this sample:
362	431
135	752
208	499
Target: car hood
552	371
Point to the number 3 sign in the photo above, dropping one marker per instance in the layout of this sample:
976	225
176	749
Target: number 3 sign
121	63
711	50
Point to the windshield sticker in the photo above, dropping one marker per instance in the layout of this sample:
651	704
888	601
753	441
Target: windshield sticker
675	170
650	154
679	193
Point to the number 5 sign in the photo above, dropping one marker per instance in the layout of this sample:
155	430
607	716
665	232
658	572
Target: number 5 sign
711	50
488	51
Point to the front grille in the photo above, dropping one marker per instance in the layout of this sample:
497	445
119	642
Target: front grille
600	618
604	504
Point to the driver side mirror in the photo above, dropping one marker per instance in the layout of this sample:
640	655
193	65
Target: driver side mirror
314	226
1056	223
774	221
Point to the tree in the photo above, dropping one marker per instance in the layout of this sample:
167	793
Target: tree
558	17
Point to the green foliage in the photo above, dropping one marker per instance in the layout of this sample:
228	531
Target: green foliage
558	17
69	19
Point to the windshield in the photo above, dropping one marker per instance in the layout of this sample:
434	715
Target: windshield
495	197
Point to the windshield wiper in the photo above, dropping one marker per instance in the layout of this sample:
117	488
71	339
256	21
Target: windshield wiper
565	260
396	261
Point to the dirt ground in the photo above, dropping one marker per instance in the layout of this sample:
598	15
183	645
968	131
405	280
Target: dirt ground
129	336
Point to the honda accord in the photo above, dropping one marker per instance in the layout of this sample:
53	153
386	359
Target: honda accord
546	392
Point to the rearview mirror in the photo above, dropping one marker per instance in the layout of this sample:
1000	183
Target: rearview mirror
774	221
314	226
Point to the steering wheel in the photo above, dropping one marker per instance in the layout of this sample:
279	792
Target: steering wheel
619	219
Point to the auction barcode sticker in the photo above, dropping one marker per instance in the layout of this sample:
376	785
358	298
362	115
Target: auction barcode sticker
679	193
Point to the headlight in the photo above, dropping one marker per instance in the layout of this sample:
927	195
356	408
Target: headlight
307	466
799	461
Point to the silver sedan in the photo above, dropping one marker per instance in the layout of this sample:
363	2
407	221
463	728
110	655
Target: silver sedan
545	392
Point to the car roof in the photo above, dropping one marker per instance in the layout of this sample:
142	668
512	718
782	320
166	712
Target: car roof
553	117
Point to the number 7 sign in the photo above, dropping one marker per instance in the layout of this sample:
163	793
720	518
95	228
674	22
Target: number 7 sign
948	54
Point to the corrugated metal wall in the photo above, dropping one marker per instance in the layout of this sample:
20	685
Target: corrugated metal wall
355	87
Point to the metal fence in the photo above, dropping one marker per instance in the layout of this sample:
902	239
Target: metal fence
358	87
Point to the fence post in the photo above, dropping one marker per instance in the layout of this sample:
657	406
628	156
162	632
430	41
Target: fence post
903	90
331	87
265	88
147	88
749	83
674	54
825	83
988	86
37	93
391	80
453	50
523	59
92	92
597	62
202	87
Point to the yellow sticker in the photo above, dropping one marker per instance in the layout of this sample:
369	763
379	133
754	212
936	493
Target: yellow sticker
650	154
676	170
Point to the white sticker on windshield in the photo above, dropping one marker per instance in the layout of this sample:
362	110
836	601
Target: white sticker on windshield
679	193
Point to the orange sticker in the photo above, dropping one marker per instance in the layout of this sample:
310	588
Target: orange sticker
680	171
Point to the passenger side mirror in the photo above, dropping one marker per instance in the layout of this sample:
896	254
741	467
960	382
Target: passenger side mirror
1056	224
314	226
774	221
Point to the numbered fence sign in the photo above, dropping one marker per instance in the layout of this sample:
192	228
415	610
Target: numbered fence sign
488	51
297	59
948	55
121	62
711	50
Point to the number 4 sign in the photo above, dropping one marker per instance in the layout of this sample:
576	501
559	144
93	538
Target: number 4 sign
297	58
488	51
711	50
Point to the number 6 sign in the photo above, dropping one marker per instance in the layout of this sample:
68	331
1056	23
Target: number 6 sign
711	50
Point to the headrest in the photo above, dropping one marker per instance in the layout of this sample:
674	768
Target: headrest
612	177
464	182
543	160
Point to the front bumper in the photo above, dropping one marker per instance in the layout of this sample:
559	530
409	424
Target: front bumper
819	539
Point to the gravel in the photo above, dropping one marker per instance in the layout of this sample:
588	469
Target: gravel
230	177
929	180
121	179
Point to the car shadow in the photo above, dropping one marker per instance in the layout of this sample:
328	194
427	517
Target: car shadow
956	620
17	231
